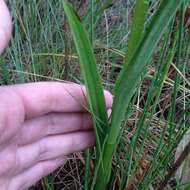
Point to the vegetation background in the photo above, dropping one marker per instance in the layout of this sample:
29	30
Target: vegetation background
42	48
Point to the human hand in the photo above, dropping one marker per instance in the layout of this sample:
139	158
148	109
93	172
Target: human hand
40	124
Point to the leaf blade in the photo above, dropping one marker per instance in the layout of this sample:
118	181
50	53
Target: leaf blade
131	73
137	27
90	72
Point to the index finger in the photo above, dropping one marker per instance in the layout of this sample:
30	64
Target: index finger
45	97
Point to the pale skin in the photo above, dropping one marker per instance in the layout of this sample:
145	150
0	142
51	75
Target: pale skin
40	124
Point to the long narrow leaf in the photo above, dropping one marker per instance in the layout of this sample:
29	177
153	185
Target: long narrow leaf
90	72
130	75
137	30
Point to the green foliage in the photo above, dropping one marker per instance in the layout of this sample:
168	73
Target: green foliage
90	72
47	183
137	30
151	97
140	53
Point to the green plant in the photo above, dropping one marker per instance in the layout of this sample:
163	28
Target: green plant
141	48
157	113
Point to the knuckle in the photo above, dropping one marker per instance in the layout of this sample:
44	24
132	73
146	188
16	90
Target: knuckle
51	123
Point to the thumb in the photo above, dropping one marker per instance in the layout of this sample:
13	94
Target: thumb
5	25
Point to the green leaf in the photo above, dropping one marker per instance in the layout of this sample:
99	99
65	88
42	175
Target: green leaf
130	75
137	27
90	72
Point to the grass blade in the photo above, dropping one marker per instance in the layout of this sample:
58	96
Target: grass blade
129	77
137	27
178	64
90	72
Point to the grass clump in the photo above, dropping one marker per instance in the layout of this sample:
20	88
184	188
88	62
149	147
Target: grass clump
146	69
139	54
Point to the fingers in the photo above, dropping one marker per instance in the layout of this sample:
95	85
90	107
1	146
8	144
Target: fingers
51	124
34	174
5	25
55	146
45	97
52	147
